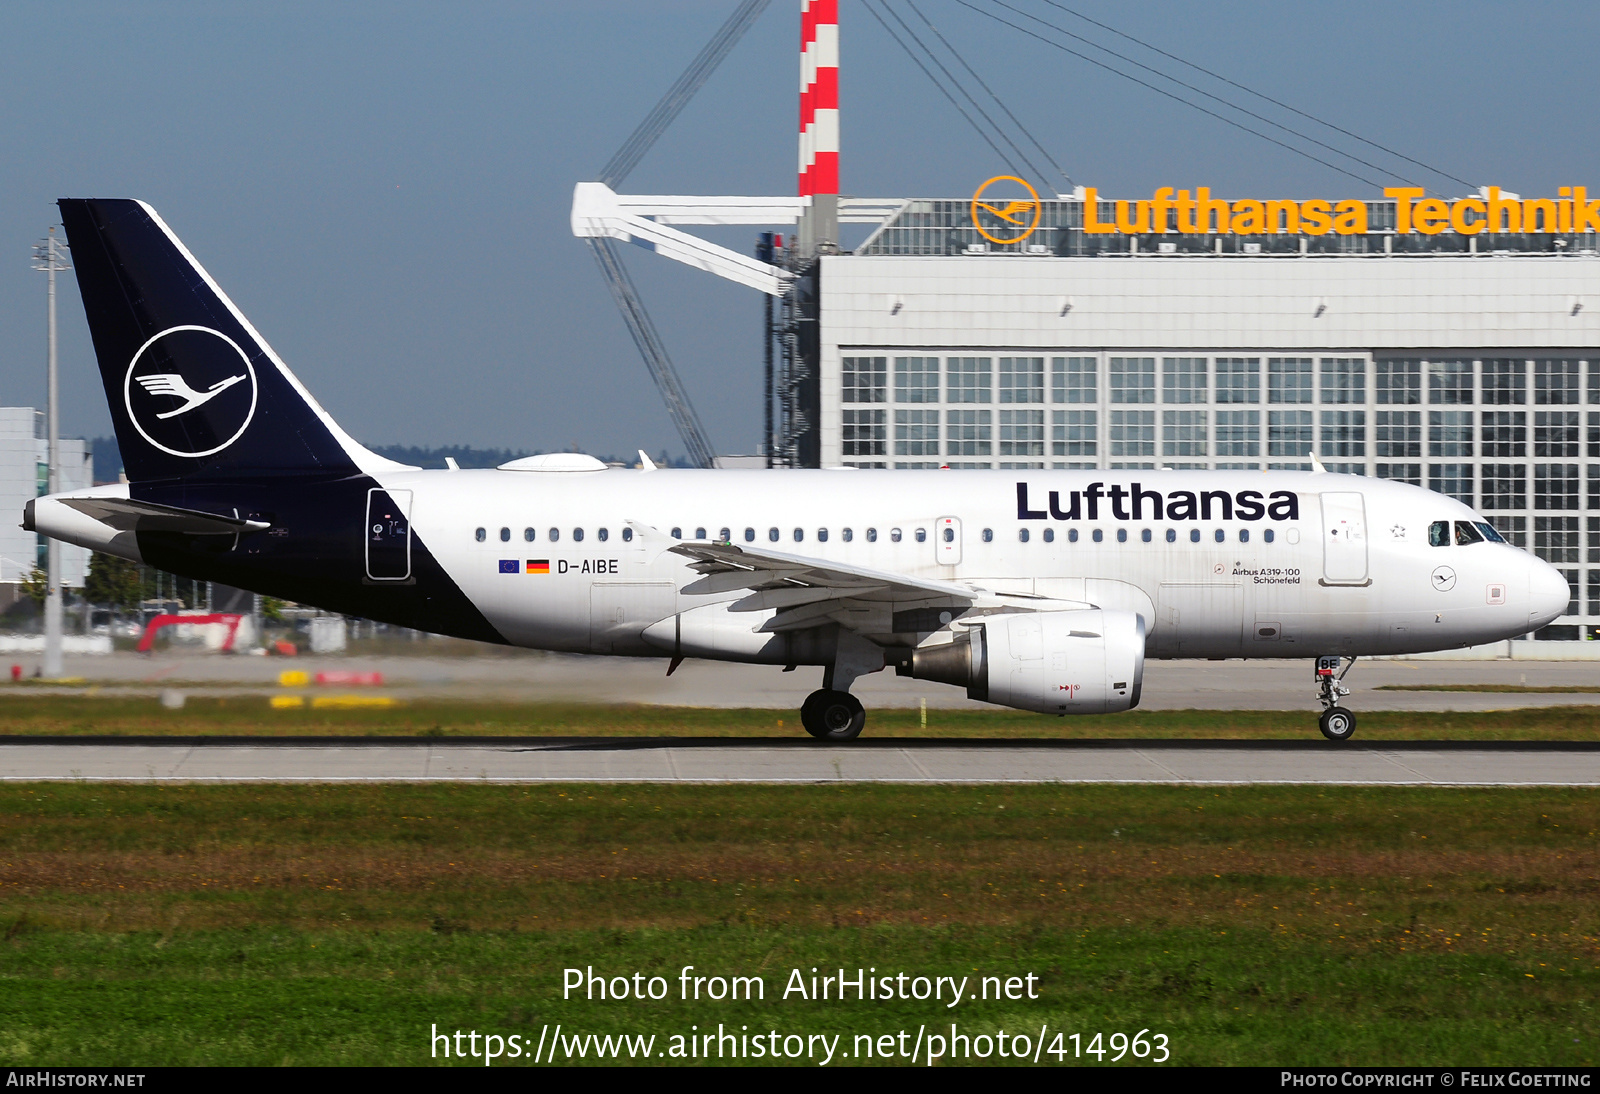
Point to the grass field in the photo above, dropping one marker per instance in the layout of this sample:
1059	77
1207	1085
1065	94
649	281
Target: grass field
269	924
250	715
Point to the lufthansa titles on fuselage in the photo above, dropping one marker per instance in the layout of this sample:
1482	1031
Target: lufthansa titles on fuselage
1134	502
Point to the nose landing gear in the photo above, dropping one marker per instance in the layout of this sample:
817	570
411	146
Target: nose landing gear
1336	723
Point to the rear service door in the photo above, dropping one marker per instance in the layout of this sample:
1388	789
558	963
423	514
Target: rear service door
388	535
1344	539
947	540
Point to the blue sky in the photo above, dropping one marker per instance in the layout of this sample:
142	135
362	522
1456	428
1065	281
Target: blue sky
384	189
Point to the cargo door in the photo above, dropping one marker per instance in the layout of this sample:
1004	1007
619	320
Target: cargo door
388	535
947	540
1344	539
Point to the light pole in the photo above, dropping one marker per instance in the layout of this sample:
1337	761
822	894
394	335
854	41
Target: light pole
47	256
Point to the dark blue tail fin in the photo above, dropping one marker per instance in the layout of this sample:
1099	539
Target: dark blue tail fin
194	391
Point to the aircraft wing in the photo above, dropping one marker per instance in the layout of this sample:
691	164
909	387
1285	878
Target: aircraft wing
809	591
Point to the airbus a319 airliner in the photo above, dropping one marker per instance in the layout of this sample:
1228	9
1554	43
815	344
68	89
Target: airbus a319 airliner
1041	590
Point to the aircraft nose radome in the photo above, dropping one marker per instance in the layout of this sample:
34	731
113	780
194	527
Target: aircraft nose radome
1548	592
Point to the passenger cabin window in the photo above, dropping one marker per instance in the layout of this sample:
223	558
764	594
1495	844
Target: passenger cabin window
1145	535
922	535
677	533
1049	535
505	535
894	535
872	535
529	535
726	535
1099	535
1122	535
627	535
799	535
604	534
1268	535
555	534
1072	535
949	535
480	535
577	535
700	533
1466	533
1244	535
772	535
988	535
848	534
1220	535
1022	535
1172	535
1439	534
822	535
749	535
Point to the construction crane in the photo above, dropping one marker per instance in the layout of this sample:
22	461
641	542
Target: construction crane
610	261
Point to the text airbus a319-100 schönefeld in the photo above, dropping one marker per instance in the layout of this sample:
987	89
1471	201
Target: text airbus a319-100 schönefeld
1041	590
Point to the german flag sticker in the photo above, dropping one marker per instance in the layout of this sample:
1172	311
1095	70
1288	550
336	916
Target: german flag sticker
538	565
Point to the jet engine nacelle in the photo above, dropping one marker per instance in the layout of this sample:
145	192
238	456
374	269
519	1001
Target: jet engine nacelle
1077	662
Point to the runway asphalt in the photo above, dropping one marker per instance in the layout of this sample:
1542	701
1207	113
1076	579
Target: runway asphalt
802	761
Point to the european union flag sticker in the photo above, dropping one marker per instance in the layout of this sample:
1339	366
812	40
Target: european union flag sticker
509	566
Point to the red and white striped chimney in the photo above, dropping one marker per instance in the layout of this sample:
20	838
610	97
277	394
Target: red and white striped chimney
819	97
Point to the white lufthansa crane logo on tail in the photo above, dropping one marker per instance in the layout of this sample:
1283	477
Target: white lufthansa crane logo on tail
170	383
190	391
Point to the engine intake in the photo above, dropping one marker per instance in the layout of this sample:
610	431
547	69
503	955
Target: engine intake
1078	662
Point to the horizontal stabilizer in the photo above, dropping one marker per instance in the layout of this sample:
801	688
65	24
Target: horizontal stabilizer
129	515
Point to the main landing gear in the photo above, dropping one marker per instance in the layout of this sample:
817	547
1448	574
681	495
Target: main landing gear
1336	723
833	715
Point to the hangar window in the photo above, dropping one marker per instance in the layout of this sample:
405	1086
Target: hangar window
1555	434
988	535
1505	434
555	535
1593	447
1183	380
866	433
1022	535
1450	383
1555	381
1183	433
577	535
1133	433
1505	486
916	379
1049	535
1074	380
1022	379
1450	433
894	535
529	535
505	535
1344	380
872	535
1133	379
1505	381
1238	433
1238	379
1073	433
1400	472
1555	486
1452	480
480	535
1288	379
604	534
1399	381
1398	433
969	380
1344	433
1288	432
864	379
968	432
1555	539
916	433
1022	432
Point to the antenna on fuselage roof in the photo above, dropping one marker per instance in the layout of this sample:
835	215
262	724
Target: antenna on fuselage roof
1316	465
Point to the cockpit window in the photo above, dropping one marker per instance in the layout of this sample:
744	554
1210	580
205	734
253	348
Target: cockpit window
1466	533
1439	534
1488	531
